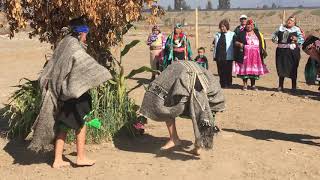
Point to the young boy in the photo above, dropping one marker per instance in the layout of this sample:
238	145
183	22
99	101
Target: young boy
201	59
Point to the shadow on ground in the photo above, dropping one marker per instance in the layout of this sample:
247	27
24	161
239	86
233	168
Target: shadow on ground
302	93
150	144
269	135
17	149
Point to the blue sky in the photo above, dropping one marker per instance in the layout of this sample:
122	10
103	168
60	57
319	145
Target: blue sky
249	3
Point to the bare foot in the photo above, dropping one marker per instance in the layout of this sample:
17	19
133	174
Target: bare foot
60	163
85	162
195	151
171	144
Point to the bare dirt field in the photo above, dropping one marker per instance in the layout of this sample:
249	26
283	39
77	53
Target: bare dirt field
265	134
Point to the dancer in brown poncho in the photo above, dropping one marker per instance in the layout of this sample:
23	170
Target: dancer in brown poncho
64	82
185	88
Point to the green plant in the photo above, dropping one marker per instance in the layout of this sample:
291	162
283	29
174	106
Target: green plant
111	103
23	108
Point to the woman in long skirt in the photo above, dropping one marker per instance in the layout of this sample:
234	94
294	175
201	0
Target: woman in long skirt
289	39
249	54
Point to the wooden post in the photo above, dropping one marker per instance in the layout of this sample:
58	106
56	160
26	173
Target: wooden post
197	28
284	17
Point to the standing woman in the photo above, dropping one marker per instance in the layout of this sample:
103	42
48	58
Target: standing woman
156	42
177	47
65	81
223	53
289	39
250	50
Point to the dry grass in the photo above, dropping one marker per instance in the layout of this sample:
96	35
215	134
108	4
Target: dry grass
297	12
316	12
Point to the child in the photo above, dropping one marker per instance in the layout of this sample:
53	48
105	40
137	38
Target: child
201	59
156	41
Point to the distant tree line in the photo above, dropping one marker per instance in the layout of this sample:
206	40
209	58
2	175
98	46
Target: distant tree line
182	4
223	4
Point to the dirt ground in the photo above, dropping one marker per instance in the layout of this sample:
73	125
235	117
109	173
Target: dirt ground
265	134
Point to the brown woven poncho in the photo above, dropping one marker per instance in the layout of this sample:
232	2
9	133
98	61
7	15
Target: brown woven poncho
185	88
69	74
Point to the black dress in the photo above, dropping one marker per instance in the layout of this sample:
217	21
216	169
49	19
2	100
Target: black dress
73	111
287	60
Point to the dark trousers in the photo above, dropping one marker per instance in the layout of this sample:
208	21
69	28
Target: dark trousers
225	72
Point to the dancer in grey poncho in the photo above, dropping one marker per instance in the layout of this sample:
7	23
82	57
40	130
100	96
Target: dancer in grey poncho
64	82
185	88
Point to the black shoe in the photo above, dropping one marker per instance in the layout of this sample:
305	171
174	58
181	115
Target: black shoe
280	89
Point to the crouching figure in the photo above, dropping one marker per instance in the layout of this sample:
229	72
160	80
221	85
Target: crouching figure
185	89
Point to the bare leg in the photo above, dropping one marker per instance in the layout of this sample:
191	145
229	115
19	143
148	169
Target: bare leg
82	160
196	151
58	161
174	138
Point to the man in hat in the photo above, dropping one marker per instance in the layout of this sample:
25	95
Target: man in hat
156	41
243	23
177	47
65	81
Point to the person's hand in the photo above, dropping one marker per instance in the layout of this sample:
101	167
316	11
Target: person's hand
294	39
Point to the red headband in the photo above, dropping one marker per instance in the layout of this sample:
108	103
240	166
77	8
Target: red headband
250	22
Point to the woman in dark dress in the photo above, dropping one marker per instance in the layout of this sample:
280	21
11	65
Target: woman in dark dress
289	39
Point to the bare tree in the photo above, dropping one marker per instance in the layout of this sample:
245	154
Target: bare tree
209	5
181	4
224	4
274	6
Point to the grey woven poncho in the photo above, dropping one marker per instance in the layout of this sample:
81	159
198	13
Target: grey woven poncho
185	88
69	74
